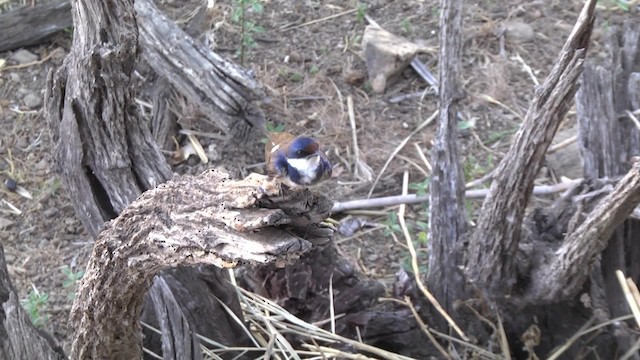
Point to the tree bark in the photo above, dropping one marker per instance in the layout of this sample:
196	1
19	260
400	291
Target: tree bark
209	219
30	26
224	92
104	151
447	221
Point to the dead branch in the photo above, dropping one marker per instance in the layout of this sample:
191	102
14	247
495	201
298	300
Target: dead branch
222	90
565	273
208	219
29	26
540	190
495	241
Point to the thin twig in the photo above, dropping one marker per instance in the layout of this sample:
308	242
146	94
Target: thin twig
562	144
423	157
398	148
425	328
319	20
628	296
361	170
414	262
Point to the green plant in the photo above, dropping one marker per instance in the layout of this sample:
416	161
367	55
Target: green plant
35	304
247	27
272	128
294	76
361	12
72	278
421	187
405	24
391	223
314	70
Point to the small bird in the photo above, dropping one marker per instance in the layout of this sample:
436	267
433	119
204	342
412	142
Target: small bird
297	161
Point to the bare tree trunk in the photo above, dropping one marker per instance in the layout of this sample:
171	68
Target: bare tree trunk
447	221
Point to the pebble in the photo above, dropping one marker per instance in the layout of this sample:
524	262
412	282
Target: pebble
32	100
519	31
22	142
10	184
14	77
23	56
51	212
5	223
42	165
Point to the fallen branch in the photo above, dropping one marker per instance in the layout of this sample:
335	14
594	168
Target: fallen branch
541	190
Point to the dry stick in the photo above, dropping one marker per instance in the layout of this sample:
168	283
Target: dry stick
587	330
398	148
425	328
628	296
319	20
634	290
361	170
632	352
415	199
414	262
562	144
423	157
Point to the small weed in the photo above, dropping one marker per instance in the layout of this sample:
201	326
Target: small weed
499	135
405	24
361	11
474	168
294	76
72	278
366	86
421	188
392	224
247	27
272	128
35	304
314	70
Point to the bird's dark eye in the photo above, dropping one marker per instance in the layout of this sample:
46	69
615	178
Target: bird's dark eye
299	153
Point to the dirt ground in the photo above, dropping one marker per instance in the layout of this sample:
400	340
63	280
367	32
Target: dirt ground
308	70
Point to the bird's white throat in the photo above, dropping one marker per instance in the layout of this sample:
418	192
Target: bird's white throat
307	167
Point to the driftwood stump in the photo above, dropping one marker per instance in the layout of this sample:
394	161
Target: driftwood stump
209	219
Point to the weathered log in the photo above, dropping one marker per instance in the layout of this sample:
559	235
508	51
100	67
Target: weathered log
30	26
494	243
104	151
208	219
223	91
19	339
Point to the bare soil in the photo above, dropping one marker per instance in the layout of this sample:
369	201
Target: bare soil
308	73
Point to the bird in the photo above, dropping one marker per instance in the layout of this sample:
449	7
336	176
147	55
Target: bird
296	161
